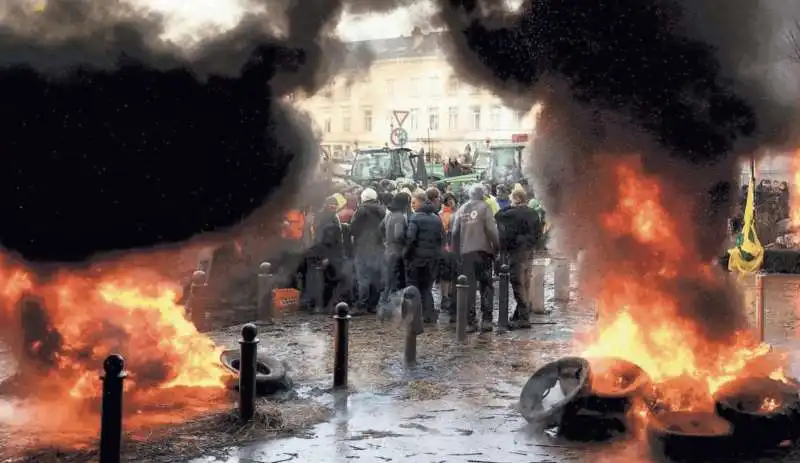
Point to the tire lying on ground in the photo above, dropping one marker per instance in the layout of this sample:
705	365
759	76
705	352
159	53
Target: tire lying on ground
689	436
271	377
602	411
613	385
549	397
764	412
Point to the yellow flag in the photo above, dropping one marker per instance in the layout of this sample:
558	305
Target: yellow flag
748	255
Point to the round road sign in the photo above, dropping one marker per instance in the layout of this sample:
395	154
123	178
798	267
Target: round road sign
399	136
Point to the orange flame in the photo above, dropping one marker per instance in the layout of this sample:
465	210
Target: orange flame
96	313
794	193
639	313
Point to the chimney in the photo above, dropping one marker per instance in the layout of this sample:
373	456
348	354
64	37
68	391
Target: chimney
418	36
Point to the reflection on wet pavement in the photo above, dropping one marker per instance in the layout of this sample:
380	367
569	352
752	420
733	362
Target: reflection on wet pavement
459	403
473	416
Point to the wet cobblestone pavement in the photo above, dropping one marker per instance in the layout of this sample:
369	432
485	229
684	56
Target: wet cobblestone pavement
458	404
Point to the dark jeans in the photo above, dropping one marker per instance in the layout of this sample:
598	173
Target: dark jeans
394	275
477	266
519	264
368	276
422	275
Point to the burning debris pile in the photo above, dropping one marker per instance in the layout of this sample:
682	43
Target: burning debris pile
694	385
61	329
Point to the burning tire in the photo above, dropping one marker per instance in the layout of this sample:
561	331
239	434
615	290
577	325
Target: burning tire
763	411
689	436
614	383
550	395
271	377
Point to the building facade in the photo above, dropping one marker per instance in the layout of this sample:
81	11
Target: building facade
409	74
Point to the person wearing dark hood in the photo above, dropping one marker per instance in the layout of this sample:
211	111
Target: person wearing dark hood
476	238
393	229
520	231
423	252
328	250
367	249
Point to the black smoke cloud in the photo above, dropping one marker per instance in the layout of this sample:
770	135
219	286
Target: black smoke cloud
688	86
113	139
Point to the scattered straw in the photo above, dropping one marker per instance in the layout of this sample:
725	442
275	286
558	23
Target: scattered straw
424	390
201	436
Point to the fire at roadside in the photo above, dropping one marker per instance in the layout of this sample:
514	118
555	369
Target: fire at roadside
648	369
61	329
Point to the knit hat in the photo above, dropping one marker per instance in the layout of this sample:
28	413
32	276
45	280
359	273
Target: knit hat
369	195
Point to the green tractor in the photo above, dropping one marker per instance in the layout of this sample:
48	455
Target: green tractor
374	165
501	163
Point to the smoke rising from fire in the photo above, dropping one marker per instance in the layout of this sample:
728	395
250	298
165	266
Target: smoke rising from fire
674	91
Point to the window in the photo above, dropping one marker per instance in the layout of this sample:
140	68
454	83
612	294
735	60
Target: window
435	85
519	116
368	120
346	120
433	118
413	118
348	90
476	118
328	92
452	86
415	87
495	117
452	118
390	87
372	165
327	123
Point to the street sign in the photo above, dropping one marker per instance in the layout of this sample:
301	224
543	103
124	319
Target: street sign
399	137
400	117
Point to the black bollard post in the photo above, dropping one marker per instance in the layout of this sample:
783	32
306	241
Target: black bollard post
197	302
111	409
502	311
412	318
340	345
266	283
247	372
462	307
318	291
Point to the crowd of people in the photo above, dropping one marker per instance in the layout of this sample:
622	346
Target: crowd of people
371	243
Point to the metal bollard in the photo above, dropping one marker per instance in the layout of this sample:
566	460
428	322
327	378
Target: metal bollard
247	372
537	288
761	310
196	304
266	282
412	318
318	290
340	345
502	311
561	279
462	307
111	412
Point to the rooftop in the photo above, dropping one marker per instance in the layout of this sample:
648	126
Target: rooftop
417	45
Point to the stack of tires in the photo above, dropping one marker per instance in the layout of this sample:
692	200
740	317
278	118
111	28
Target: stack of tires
592	399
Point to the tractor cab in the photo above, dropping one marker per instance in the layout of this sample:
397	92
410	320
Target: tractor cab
372	165
504	161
